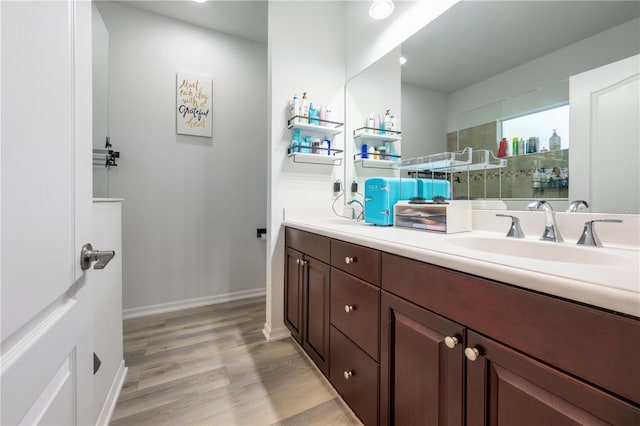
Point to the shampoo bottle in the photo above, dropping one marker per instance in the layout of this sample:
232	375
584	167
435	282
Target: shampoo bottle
295	108
323	115
304	108
314	115
327	117
370	123
502	149
387	121
376	123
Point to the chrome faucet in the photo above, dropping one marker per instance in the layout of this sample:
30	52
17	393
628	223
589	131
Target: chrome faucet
353	212
551	232
573	207
515	231
589	236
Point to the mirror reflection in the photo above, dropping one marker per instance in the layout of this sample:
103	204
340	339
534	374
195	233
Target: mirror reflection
482	64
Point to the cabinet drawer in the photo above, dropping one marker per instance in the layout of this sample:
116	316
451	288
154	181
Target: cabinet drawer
569	336
310	244
355	376
360	261
355	310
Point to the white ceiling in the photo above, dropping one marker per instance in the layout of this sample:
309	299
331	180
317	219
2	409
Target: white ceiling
477	39
468	43
242	18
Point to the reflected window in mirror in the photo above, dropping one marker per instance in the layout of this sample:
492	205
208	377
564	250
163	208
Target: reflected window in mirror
541	131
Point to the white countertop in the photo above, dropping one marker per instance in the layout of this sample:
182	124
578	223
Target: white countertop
610	286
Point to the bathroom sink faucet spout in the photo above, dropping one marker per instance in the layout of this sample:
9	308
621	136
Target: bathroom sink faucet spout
551	232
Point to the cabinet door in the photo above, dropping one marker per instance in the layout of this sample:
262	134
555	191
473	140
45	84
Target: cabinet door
505	387
315	338
421	380
293	293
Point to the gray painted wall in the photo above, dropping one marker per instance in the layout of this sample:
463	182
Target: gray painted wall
192	204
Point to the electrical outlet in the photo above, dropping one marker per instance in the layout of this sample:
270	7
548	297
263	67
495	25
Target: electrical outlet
354	186
337	186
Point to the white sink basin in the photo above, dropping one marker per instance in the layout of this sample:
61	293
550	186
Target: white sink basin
539	250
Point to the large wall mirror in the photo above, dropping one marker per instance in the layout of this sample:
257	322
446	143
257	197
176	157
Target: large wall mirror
484	63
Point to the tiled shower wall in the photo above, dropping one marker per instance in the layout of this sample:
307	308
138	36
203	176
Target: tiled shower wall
516	180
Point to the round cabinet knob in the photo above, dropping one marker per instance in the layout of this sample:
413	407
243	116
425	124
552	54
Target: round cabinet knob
348	308
451	341
349	260
471	353
298	261
347	374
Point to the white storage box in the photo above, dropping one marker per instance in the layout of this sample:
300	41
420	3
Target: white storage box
449	217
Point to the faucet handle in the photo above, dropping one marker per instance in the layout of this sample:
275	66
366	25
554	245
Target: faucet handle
589	236
574	205
515	231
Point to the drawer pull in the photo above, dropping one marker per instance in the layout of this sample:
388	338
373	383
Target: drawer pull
348	308
298	261
451	341
349	260
471	353
347	374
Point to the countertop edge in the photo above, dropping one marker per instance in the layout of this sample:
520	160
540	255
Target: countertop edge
598	296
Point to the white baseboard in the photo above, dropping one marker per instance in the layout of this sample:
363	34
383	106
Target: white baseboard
161	308
112	397
273	334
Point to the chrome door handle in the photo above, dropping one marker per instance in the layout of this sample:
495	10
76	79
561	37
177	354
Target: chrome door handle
89	255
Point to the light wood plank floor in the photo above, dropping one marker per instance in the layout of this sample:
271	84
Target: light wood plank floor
212	366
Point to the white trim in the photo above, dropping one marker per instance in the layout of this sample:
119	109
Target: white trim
112	397
161	308
275	334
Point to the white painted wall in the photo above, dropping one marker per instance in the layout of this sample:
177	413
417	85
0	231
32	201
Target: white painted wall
306	53
107	308
100	87
424	128
609	46
192	204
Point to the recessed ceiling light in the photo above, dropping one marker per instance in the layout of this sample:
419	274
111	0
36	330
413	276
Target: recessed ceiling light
381	9
200	1
403	60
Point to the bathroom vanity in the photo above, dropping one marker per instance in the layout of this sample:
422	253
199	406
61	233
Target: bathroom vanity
410	331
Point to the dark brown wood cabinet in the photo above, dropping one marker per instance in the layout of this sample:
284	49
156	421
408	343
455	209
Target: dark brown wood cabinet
315	337
531	359
293	291
421	365
505	387
405	342
307	294
354	374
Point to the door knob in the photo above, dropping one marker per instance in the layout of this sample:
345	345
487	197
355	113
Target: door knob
89	255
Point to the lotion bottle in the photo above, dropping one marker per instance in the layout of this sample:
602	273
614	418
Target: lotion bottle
554	141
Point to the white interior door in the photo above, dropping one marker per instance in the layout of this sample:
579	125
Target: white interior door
604	157
46	357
